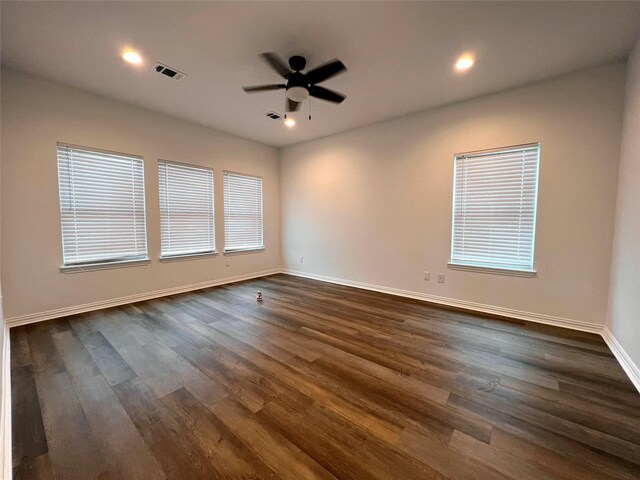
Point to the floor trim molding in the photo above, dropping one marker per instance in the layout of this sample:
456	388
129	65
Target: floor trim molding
5	408
87	307
451	302
631	369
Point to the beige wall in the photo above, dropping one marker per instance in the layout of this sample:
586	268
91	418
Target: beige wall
623	317
373	205
5	421
35	115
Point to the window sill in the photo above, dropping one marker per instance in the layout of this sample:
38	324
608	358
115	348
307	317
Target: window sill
187	256
240	251
103	265
493	270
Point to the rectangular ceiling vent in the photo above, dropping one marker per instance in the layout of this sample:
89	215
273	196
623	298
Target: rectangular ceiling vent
273	115
169	72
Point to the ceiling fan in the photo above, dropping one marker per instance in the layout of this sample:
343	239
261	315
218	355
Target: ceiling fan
301	86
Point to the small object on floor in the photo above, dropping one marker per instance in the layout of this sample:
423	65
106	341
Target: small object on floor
259	297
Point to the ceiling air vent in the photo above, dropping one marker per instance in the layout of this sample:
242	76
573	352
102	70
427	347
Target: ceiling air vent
169	72
273	115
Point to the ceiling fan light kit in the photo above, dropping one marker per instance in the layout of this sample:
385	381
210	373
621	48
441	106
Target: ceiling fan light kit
297	94
300	86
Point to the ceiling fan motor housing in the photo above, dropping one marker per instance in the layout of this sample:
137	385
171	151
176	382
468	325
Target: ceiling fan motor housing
297	63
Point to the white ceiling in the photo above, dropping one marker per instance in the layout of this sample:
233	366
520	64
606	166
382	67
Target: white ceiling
399	55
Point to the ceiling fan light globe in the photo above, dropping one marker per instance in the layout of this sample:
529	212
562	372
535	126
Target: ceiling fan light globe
297	94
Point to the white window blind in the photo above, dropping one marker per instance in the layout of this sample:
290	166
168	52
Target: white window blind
242	212
187	223
494	208
101	205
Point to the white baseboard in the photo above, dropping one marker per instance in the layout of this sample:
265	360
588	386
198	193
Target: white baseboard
5	407
88	307
451	302
631	369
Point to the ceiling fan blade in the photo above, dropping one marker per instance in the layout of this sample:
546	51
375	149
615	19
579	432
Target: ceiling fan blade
277	64
326	94
293	106
264	88
323	72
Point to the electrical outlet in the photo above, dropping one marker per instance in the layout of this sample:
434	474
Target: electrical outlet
441	278
227	263
427	276
301	259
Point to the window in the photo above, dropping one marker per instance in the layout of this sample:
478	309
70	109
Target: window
101	206
187	224
494	208
242	212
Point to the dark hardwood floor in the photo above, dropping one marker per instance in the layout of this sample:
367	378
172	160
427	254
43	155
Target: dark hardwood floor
318	381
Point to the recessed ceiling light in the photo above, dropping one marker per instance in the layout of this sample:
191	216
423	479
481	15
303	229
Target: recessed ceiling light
289	122
465	62
131	57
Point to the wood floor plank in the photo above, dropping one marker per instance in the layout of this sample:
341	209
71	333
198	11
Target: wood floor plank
317	381
541	437
282	456
623	427
28	433
244	392
269	387
338	461
123	449
309	382
20	353
304	378
45	357
505	463
163	324
230	459
170	442
381	461
112	366
140	362
38	467
443	459
549	460
534	414
73	450
417	408
246	336
204	388
76	358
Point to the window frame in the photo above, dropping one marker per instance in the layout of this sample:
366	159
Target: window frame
497	270
115	262
259	248
193	255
